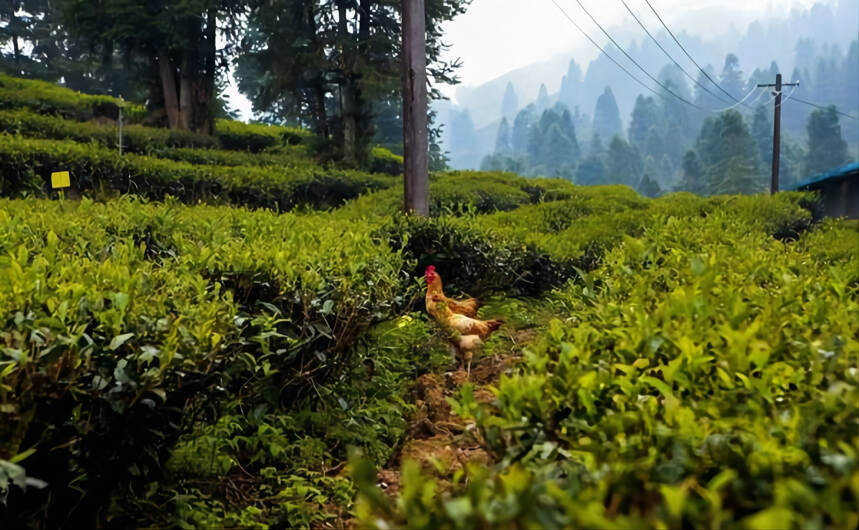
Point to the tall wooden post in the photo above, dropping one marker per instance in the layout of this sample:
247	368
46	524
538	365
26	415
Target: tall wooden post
415	127
776	135
774	185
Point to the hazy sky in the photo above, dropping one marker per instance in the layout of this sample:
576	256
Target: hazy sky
496	36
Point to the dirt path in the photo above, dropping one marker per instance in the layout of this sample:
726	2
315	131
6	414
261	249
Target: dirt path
439	440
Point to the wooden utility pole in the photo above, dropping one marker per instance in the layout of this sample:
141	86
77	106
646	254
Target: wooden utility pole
776	129
415	127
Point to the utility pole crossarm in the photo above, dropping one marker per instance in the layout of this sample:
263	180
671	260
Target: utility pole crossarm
773	85
774	184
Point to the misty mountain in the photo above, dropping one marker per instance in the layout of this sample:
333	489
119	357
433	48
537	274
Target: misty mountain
803	43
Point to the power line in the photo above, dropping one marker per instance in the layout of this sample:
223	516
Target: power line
688	55
668	54
742	101
628	56
600	48
822	107
790	95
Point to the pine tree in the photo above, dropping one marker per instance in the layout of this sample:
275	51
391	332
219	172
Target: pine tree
543	98
851	75
569	130
732	76
645	116
794	117
724	137
730	155
502	140
179	39
521	127
667	171
693	174
592	171
571	85
735	175
804	57
559	152
607	116
502	162
762	132
596	146
510	104
332	65
463	135
826	147
649	187
703	98
552	143
624	163
850	90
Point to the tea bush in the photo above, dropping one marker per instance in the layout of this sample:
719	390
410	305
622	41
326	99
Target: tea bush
47	98
298	453
235	135
229	135
466	193
703	376
123	322
26	165
384	161
536	247
136	138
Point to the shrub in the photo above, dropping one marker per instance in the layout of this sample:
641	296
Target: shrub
135	139
123	321
240	136
27	164
466	193
703	375
48	98
384	161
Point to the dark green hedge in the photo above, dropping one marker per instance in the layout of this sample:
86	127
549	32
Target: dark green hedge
26	165
47	98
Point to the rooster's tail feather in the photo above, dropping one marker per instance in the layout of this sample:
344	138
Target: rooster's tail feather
494	324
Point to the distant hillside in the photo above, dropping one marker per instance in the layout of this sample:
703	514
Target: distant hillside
757	43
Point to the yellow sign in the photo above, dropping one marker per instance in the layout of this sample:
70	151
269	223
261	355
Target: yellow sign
60	179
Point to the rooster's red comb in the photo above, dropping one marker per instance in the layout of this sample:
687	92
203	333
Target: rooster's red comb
430	270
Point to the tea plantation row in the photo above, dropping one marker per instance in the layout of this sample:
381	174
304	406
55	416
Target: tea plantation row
704	375
155	351
45	128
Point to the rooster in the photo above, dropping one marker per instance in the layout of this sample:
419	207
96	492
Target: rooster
465	333
434	288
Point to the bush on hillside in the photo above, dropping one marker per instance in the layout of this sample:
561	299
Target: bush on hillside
384	161
26	166
467	193
47	98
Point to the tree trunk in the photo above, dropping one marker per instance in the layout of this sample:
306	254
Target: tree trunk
186	97
318	99
364	25
168	86
350	122
206	123
415	127
363	108
321	114
347	92
16	50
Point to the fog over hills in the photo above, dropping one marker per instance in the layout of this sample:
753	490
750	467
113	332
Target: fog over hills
802	41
